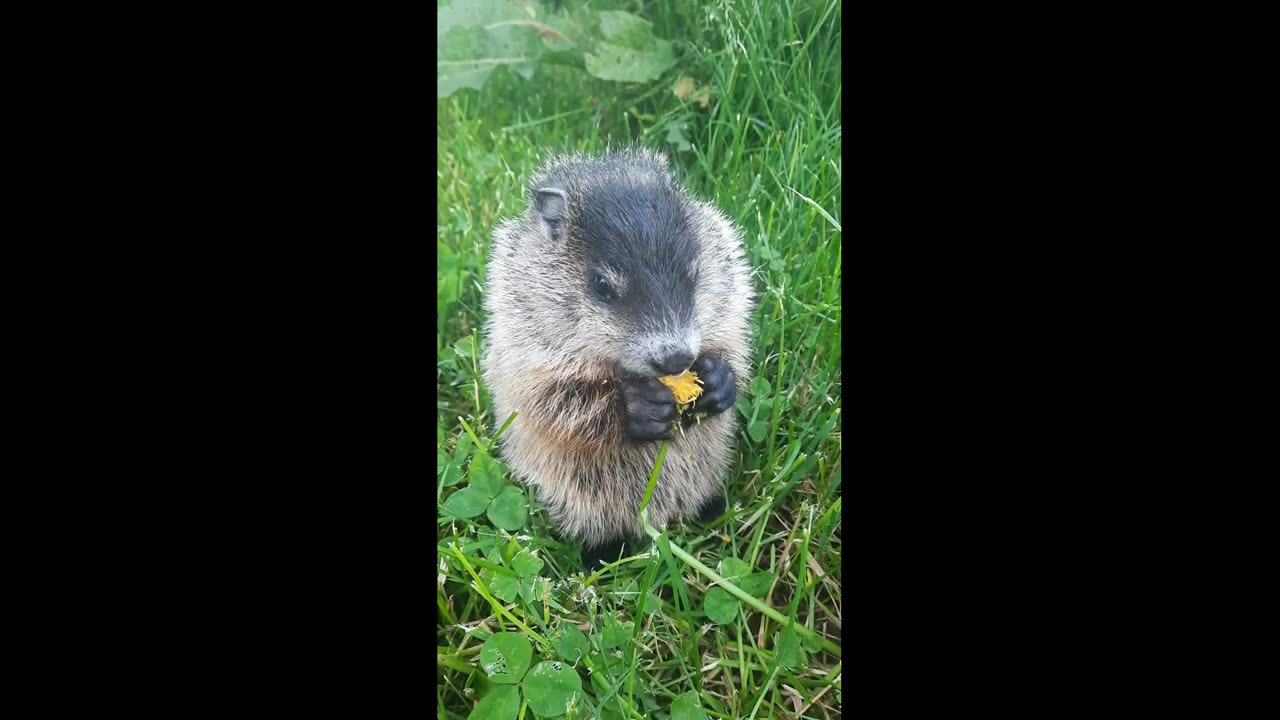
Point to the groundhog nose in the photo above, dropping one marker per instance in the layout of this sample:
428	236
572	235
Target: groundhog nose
673	363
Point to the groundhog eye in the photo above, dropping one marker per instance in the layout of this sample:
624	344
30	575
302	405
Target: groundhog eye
601	287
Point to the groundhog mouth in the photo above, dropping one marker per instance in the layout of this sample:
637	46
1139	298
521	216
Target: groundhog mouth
686	387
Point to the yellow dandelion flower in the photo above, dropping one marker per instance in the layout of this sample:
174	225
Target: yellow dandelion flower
686	387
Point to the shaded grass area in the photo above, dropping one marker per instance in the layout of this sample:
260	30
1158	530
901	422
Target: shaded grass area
766	150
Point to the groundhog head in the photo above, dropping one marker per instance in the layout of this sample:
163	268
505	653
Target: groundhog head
626	261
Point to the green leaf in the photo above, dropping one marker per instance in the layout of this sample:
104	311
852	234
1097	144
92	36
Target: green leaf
467	502
625	29
731	568
475	13
551	688
570	642
526	563
502	703
759	386
720	606
616	633
463	347
756	584
740	574
467	55
812	643
787	645
676	136
463	450
506	587
609	669
652	604
630	52
686	707
452	74
509	510
529	588
757	430
622	64
506	657
485	475
452	475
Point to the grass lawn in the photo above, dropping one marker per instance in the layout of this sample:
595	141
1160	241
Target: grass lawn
649	637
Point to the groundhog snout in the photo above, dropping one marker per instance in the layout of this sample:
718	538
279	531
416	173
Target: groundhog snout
672	362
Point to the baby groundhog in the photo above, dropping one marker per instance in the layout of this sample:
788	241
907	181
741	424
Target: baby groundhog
613	278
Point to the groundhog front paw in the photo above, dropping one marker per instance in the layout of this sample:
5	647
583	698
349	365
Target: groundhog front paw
649	409
719	385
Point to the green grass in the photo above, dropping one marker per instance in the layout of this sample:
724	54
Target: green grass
766	150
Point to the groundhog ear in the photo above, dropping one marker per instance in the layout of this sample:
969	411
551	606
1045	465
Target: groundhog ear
550	204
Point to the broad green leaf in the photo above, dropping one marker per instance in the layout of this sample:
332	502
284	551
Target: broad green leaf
720	606
812	643
623	64
463	348
616	633
458	60
526	563
740	573
467	502
463	450
452	475
485	475
530	588
756	584
552	687
652	604
570	642
731	568
504	586
759	386
687	707
565	33
476	13
625	29
502	703
787	645
676	136
467	55
757	430
506	657
510	509
630	52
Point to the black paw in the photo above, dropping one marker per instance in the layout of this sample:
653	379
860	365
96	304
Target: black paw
595	556
712	509
650	409
719	385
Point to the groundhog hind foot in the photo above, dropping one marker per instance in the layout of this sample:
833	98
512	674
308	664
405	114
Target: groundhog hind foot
712	509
